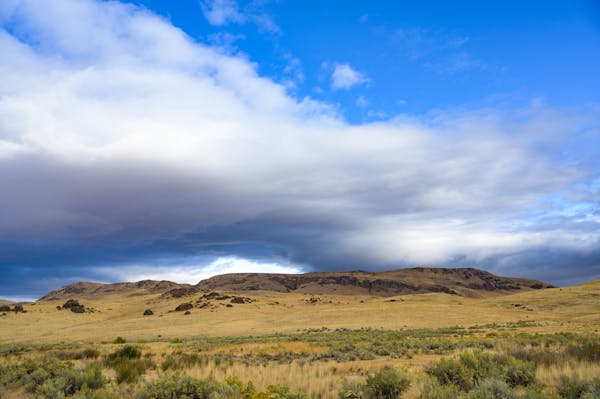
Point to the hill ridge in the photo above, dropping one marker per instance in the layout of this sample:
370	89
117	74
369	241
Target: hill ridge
90	288
460	281
465	281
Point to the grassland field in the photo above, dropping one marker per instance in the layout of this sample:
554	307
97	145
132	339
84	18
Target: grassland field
318	346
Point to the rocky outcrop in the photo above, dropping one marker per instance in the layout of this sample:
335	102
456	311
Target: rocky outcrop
458	281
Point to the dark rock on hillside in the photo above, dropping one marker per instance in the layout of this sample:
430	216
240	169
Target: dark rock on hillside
184	306
74	306
241	299
148	312
180	292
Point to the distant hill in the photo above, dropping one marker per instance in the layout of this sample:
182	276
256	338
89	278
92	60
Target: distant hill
457	281
460	281
85	288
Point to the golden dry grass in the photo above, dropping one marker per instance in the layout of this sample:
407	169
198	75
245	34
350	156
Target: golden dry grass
573	309
565	309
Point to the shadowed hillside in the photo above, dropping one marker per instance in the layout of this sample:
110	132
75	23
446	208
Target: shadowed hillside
462	281
85	288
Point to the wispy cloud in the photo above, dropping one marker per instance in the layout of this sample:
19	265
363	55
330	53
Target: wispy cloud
344	77
124	143
225	12
439	51
222	12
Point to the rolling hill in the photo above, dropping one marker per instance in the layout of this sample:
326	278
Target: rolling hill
456	281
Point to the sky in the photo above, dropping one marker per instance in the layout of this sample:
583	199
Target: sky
179	140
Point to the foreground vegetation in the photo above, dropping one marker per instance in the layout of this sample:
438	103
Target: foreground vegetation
489	361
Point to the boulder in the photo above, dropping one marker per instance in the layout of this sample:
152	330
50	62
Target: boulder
184	306
74	306
148	312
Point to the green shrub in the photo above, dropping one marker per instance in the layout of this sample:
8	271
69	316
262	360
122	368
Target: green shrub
129	370
277	392
182	361
90	353
571	387
352	390
387	383
432	389
51	378
448	371
493	388
126	352
119	340
175	387
127	364
480	364
52	389
537	393
92	377
585	349
171	386
593	390
518	372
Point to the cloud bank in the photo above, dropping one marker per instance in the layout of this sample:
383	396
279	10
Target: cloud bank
128	149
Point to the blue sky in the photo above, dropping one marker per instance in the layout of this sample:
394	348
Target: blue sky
179	140
414	56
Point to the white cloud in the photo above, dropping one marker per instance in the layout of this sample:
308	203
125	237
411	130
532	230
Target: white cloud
361	101
225	12
344	77
119	135
222	12
193	274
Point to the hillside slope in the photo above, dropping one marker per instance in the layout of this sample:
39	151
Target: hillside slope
86	288
461	281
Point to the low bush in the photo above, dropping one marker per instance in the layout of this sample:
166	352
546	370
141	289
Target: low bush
88	353
352	390
183	361
476	366
480	365
493	388
388	383
51	378
174	386
585	349
127	363
448	371
518	372
169	387
126	352
571	387
593	390
432	389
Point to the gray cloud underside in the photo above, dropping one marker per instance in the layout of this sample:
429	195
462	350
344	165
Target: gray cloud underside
123	142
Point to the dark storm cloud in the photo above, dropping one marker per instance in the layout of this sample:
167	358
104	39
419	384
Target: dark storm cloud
136	152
